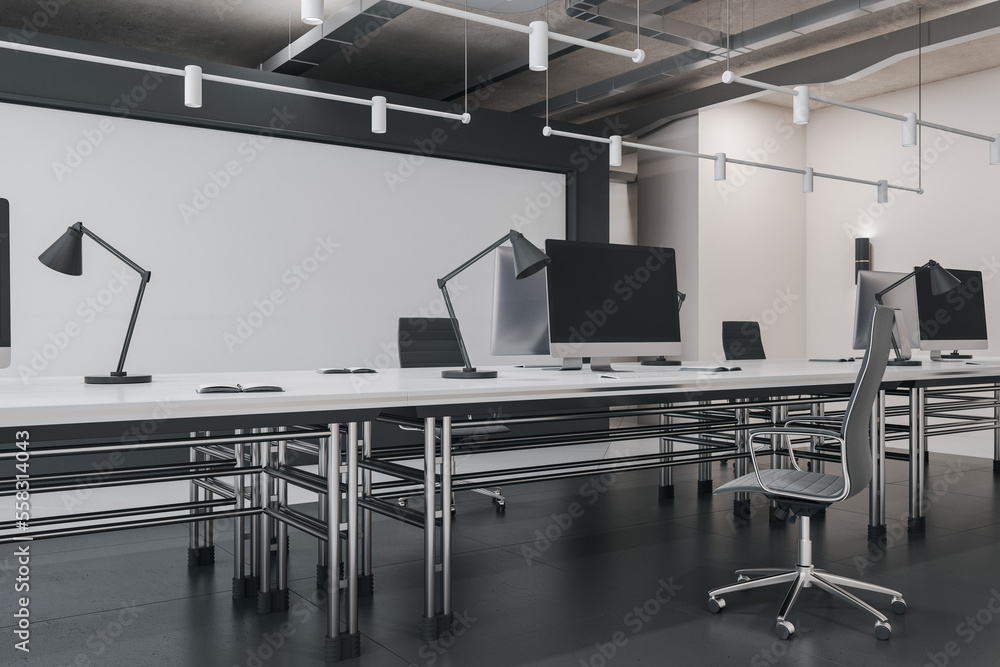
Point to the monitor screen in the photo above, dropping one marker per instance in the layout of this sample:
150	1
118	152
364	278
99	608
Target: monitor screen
953	320
4	283
609	300
901	298
520	315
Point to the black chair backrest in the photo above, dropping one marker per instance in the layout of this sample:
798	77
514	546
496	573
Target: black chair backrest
428	342
857	418
741	340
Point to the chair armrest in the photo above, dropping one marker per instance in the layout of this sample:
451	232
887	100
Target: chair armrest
815	432
815	420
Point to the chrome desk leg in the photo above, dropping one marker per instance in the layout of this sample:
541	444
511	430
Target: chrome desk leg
201	541
280	596
243	586
876	491
256	500
339	645
918	445
666	447
264	595
741	503
322	567
429	625
351	572
366	580
779	414
446	468
704	469
996	431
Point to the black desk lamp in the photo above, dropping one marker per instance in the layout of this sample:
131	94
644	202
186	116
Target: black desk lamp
942	281
528	260
66	256
661	360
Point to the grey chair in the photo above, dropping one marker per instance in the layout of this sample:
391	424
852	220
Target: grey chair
430	342
803	494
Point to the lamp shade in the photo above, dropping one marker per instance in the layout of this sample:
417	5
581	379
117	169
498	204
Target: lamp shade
312	12
66	254
528	259
942	280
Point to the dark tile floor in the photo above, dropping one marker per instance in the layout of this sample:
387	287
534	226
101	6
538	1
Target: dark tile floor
575	573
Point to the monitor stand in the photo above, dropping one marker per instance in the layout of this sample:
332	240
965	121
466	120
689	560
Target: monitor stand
661	361
953	356
603	365
568	364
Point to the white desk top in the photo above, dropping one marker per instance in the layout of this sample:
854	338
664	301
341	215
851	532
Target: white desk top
67	400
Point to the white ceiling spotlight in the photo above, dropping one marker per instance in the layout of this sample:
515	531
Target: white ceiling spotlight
312	12
378	115
192	86
720	161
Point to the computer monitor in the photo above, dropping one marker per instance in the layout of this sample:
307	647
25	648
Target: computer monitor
607	300
4	283
901	298
955	320
520	316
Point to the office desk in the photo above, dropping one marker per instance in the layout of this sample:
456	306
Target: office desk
61	409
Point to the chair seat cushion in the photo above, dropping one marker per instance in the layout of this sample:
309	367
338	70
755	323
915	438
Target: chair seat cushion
819	485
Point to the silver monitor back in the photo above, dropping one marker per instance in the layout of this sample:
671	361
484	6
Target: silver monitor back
903	299
520	314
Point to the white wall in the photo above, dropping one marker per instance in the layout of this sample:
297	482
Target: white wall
953	222
302	255
739	242
668	214
752	229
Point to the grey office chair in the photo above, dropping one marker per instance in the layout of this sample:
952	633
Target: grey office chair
802	493
741	340
430	342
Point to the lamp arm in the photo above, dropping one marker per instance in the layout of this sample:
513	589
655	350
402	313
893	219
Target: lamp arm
441	281
107	246
879	295
458	331
131	324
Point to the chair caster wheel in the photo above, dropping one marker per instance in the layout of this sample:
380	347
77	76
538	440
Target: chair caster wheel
784	629
882	630
401	502
715	605
742	579
898	606
501	506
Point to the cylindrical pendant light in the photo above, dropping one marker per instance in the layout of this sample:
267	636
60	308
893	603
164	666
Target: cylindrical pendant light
883	192
910	130
807	181
615	151
538	46
800	105
720	166
378	114
192	86
312	12
995	149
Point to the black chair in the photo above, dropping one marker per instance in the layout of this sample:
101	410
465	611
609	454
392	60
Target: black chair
804	494
430	342
741	340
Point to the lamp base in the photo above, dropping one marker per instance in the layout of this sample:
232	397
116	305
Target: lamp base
467	373
660	361
904	362
124	378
